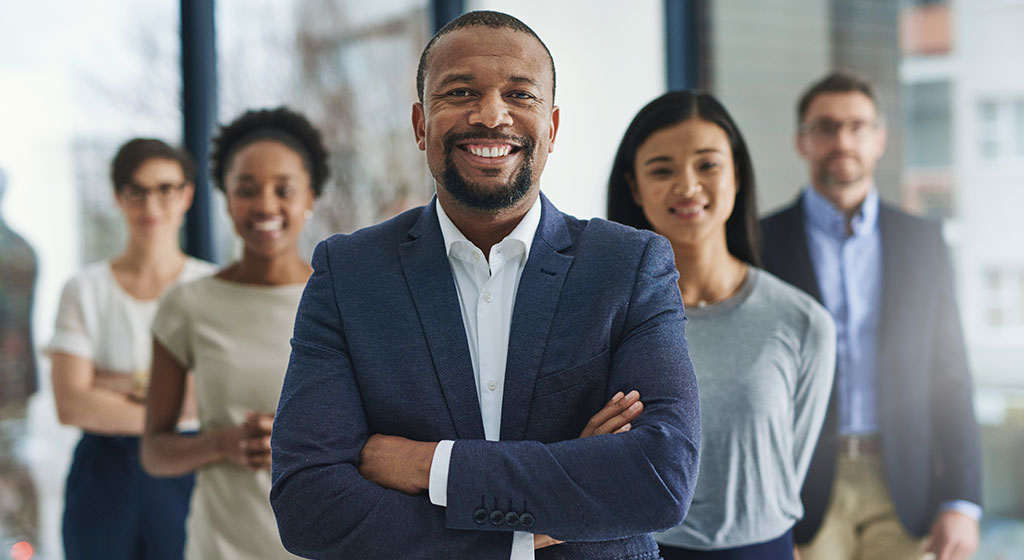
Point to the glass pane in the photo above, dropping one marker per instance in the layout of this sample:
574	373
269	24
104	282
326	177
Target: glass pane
349	67
988	130
79	78
953	103
1018	127
928	140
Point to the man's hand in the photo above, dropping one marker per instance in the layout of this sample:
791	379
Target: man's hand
397	463
954	536
616	416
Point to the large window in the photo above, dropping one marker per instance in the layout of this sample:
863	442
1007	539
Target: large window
350	67
952	98
79	78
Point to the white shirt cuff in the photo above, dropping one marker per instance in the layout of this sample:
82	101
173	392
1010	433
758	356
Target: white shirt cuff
970	509
522	546
438	486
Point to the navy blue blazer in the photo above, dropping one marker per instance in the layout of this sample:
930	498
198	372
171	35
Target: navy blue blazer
380	347
930	445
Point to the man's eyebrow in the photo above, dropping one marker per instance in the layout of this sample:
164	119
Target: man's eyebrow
455	78
524	80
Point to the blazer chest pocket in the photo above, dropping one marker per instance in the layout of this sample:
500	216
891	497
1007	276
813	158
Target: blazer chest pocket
581	376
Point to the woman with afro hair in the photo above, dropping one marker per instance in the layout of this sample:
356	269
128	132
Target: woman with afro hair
232	331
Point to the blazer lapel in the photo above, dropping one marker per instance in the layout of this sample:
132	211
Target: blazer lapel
536	299
429	277
895	317
798	256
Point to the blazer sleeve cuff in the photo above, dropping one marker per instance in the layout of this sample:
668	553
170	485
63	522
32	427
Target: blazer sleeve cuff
438	486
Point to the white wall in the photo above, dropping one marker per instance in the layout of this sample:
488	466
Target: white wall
610	62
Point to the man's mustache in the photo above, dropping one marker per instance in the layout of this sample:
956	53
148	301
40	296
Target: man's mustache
839	154
453	138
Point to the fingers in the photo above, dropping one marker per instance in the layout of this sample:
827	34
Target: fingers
255	445
620	411
258	423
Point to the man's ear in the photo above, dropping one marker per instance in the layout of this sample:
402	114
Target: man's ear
554	129
798	143
419	125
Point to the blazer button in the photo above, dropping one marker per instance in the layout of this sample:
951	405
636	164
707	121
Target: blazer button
526	519
480	516
497	517
511	519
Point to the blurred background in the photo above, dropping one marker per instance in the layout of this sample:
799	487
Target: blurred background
79	78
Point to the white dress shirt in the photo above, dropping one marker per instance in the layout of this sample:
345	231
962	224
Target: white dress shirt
487	295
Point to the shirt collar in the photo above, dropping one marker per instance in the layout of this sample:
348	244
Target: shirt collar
822	215
524	231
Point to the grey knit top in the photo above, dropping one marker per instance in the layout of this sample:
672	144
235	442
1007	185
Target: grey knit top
764	360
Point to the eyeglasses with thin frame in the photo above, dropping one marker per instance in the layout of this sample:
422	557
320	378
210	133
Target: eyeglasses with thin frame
164	192
827	129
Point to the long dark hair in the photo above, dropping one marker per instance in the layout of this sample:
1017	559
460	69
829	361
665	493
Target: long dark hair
743	229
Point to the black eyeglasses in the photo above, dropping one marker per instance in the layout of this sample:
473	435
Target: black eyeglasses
828	128
164	192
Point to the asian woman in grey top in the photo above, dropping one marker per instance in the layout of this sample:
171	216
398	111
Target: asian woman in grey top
763	351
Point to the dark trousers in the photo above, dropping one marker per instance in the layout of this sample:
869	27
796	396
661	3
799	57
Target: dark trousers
780	548
113	510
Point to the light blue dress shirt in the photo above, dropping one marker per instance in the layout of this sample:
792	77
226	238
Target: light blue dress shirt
848	268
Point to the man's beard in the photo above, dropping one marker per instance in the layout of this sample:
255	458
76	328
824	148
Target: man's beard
830	178
479	197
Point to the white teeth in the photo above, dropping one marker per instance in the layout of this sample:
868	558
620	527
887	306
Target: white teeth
269	225
493	151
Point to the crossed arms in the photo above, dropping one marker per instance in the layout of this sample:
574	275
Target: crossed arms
590	489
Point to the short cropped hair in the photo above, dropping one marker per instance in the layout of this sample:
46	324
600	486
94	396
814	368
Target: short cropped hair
133	153
480	18
280	125
836	82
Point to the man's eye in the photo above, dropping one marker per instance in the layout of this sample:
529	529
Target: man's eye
521	95
458	93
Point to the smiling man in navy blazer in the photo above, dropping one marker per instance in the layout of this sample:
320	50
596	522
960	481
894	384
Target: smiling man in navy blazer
899	455
446	362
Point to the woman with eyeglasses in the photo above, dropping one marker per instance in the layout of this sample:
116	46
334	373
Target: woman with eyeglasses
763	351
233	330
101	353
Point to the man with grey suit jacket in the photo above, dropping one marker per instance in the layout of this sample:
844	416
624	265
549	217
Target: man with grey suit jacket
897	469
446	362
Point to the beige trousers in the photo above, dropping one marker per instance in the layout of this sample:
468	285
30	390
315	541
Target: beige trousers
860	522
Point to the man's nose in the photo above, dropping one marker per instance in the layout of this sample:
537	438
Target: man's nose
491	111
845	137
